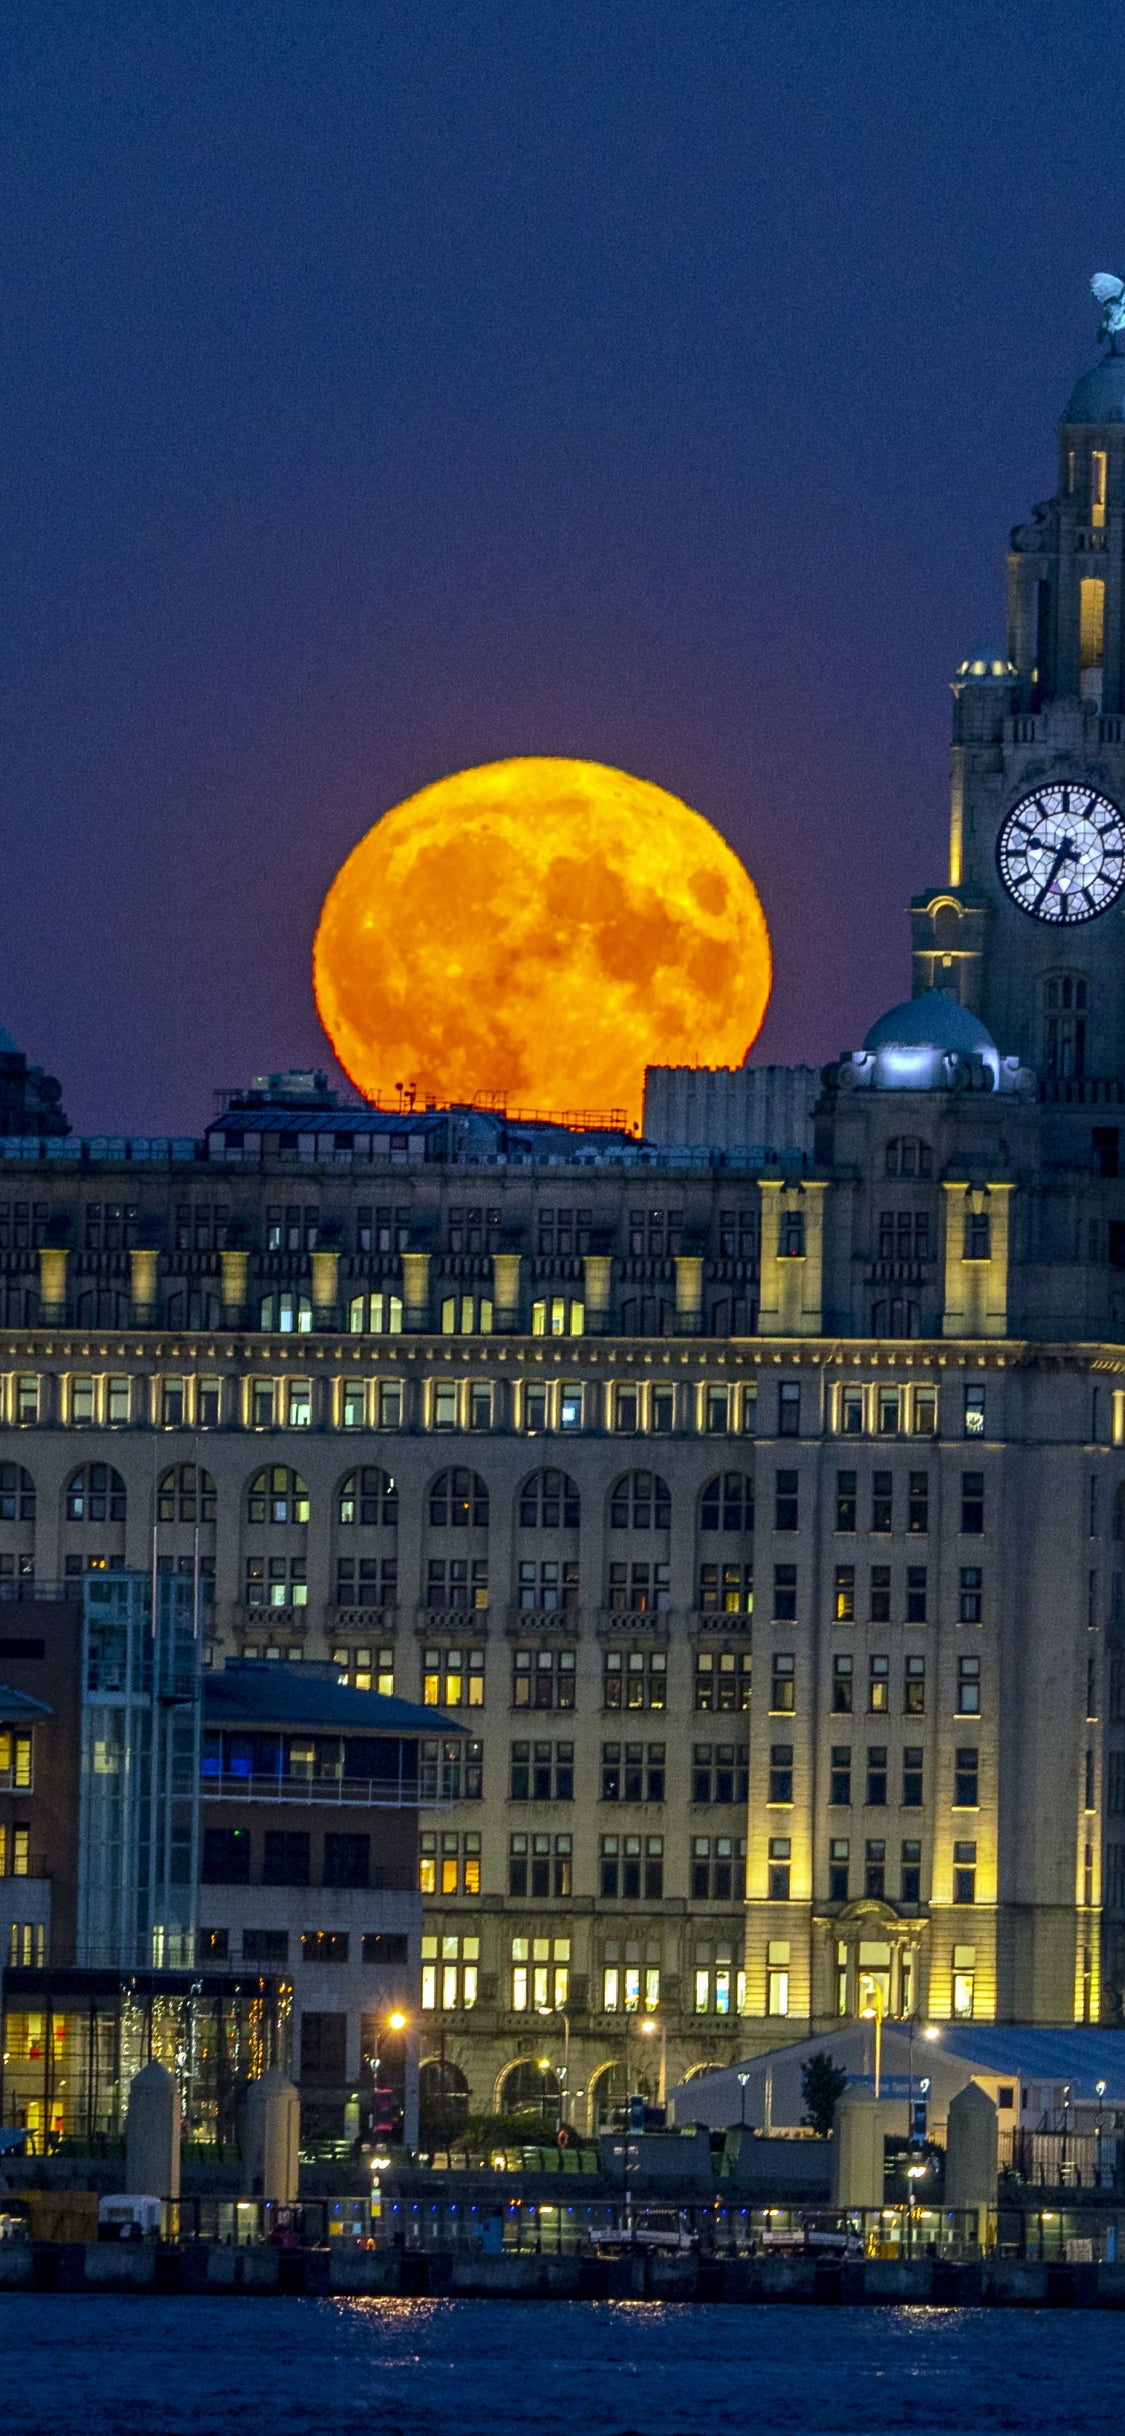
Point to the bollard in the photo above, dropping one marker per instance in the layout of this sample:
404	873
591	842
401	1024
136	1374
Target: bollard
152	2134
273	2120
857	2151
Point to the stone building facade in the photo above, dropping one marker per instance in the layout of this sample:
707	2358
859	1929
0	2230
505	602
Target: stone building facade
759	1518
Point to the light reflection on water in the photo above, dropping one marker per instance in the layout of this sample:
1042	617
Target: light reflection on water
95	2366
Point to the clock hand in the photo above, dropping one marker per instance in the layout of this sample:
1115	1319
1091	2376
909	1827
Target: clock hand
1066	854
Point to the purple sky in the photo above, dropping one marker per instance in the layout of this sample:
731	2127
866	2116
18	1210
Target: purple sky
387	388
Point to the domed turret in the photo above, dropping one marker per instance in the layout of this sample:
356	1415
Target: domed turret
1098	397
932	1021
931	1043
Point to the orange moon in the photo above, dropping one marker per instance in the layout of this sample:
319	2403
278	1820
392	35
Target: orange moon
543	929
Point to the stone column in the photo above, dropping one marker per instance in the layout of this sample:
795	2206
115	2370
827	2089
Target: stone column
52	1284
971	2154
325	1289
506	1270
689	1293
416	1293
857	2150
598	1267
143	1264
236	1272
273	2116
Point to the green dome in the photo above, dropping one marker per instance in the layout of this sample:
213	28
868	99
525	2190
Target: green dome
1099	397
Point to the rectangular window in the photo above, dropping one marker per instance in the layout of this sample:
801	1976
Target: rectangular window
347	1860
727	1589
851	1412
974	1412
912	1772
914	1687
785	1594
966	1778
925	1412
786	1515
780	1856
27	1399
82	1400
915	1594
789	1409
783	1687
634	1679
879	1605
443	1411
910	1875
842	1686
543	1678
845	1594
781	1772
777	1976
845	1501
722	1681
226	1856
972	1503
838	1864
964	1873
117	1402
882	1501
717	1411
968	1687
324	1945
285	1858
876	1776
889	1409
878	1685
875	1869
972	1593
662	1411
840	1777
918	1502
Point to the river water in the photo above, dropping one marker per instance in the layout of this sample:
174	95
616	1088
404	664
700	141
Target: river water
92	2366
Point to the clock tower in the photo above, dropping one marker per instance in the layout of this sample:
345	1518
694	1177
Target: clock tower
1030	931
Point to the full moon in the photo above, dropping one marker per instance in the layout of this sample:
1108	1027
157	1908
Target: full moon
542	929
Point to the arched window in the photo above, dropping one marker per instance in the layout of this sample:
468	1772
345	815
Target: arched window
549	1501
898	1316
528	2088
727	1503
19	1307
640	1501
644	1315
466	1315
277	1497
95	1494
196	1308
185	1495
733	1315
287	1314
443	2098
558	1315
103	1307
17	1494
908	1156
375	1314
368	1497
459	1501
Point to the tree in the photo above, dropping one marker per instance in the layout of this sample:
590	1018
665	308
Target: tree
822	2086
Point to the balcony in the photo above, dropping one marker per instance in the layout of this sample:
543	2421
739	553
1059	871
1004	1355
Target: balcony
405	1789
542	1619
648	1623
471	1623
716	1619
372	1623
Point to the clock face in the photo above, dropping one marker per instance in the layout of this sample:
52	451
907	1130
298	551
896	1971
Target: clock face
1061	853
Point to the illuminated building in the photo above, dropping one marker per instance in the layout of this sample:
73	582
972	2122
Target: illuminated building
554	1431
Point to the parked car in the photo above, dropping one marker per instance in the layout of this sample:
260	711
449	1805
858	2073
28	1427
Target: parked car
818	2233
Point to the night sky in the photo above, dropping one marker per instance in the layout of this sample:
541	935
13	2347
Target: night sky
387	388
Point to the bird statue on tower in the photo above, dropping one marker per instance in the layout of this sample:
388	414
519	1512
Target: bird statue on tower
1110	293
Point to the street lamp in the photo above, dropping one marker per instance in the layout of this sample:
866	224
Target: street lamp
545	2067
874	2008
548	2013
649	2029
743	2083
